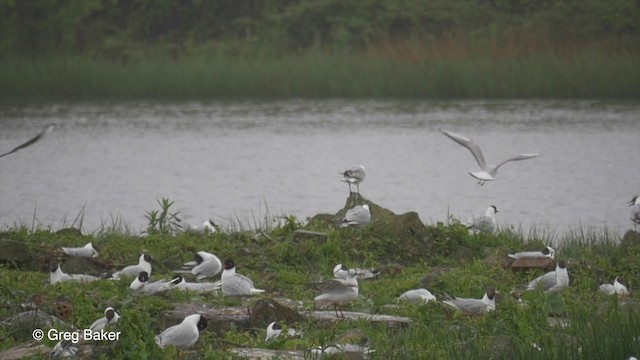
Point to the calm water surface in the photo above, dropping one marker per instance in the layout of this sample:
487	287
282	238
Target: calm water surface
239	161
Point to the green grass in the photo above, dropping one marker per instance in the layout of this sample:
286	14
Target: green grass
600	327
546	74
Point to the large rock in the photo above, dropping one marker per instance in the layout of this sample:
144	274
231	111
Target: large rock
16	253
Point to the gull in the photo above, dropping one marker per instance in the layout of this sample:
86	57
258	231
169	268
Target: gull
200	288
144	264
354	176
141	283
205	265
635	210
337	291
235	284
360	215
56	275
49	128
470	306
617	287
342	272
274	329
553	281
110	317
87	251
488	172
546	252
417	296
63	349
487	222
183	335
207	227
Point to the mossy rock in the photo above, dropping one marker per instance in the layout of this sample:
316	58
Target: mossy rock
17	253
267	310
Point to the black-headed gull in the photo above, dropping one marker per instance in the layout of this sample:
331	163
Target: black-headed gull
546	252
183	335
235	284
274	329
417	296
200	288
486	223
354	176
359	215
207	227
635	210
56	275
144	264
617	287
141	284
47	129
553	281
110	317
471	306
87	251
342	272
205	265
337	291
488	172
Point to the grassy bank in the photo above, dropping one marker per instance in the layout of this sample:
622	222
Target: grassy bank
599	327
411	71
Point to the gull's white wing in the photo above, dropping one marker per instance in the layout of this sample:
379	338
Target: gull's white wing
518	158
473	148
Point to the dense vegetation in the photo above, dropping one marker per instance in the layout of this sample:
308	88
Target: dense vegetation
284	48
445	257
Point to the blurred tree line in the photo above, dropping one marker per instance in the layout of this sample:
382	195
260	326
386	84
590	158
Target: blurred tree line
120	29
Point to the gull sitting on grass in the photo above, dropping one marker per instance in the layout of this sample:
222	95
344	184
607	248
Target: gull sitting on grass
417	296
235	284
470	306
144	264
206	265
87	251
183	335
56	275
199	288
141	284
342	272
553	281
354	176
488	172
274	330
358	216
617	288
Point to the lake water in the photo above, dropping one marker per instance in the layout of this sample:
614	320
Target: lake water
239	161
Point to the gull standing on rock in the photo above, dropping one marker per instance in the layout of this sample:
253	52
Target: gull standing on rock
359	216
87	251
470	306
354	176
553	281
486	223
235	284
144	264
183	335
205	265
488	172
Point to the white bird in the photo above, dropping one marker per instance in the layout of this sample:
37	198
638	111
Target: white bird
87	251
110	317
56	275
553	281
205	265
470	306
488	172
199	288
617	287
360	215
63	349
274	329
337	291
144	264
141	283
183	335
635	210
342	272
417	296
49	128
207	227
546	252
486	223
235	284
358	351
354	176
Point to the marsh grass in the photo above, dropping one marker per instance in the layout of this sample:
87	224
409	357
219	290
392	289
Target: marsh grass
600	327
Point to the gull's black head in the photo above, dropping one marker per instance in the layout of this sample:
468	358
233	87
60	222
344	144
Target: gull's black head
562	264
495	209
109	313
199	259
229	264
491	293
143	276
546	250
277	326
95	248
202	323
148	258
176	280
621	281
633	201
53	267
